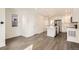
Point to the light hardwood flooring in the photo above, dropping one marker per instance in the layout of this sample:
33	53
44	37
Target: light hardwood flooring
41	42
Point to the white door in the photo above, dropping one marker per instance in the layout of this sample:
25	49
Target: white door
2	27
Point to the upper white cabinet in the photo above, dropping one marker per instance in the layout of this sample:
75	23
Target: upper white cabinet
75	14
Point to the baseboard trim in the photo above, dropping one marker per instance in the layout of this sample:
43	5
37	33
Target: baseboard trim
2	44
26	36
14	37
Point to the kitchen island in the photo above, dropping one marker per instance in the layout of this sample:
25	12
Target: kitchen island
52	31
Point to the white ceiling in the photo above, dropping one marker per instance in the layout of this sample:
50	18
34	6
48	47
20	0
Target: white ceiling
48	11
54	11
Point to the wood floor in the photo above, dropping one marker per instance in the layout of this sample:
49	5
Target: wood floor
41	42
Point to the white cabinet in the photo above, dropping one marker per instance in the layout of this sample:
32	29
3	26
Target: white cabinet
75	14
72	35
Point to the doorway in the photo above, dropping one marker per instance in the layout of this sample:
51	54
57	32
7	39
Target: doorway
58	24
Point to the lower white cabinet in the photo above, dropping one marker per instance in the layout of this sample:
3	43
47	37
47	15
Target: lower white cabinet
72	35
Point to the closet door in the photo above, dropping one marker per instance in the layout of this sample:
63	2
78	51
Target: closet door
2	27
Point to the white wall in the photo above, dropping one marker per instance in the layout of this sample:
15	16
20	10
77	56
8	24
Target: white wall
11	31
32	22
40	24
29	23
